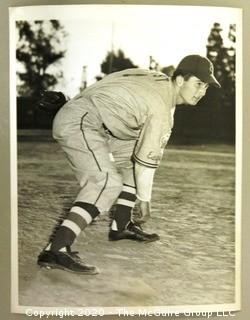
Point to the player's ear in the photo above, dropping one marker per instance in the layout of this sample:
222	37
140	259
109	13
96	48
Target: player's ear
179	80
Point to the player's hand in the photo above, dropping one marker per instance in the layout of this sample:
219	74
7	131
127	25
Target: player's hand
141	212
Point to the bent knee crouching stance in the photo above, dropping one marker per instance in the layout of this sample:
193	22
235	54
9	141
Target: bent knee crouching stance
100	189
90	202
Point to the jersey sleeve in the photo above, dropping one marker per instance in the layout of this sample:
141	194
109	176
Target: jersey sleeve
152	141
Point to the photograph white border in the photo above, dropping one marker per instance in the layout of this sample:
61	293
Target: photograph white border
58	11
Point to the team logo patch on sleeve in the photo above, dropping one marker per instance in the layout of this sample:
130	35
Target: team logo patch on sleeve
155	156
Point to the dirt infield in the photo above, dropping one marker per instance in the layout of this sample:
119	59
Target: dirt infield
192	210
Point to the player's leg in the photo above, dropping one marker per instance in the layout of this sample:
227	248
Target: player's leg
122	226
100	184
88	155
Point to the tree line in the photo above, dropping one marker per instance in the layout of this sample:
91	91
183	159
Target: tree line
41	47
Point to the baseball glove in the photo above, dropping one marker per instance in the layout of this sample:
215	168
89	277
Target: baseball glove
51	101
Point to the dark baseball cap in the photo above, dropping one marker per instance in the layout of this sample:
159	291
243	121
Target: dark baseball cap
200	67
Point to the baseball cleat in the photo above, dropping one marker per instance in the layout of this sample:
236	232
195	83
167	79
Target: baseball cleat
133	232
68	261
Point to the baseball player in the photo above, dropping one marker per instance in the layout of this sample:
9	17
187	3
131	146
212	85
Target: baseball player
114	134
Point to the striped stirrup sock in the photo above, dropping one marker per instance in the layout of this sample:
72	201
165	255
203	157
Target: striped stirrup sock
80	215
124	205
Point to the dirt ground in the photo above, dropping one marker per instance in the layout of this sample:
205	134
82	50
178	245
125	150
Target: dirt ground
192	210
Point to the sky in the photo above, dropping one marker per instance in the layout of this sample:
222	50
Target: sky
167	33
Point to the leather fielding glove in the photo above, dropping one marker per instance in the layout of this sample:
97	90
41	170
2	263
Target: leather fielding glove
51	101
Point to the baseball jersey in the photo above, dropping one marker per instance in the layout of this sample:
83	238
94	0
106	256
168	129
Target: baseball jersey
137	104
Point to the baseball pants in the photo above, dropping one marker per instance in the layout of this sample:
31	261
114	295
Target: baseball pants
101	163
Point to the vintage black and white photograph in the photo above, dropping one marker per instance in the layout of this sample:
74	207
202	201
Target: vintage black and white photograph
125	158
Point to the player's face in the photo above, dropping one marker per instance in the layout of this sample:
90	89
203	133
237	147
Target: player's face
192	90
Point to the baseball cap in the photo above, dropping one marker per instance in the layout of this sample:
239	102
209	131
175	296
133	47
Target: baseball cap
200	67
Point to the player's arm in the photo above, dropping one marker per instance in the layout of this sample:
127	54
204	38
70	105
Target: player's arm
147	156
144	177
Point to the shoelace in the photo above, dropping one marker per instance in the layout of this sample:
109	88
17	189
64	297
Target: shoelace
72	253
136	224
